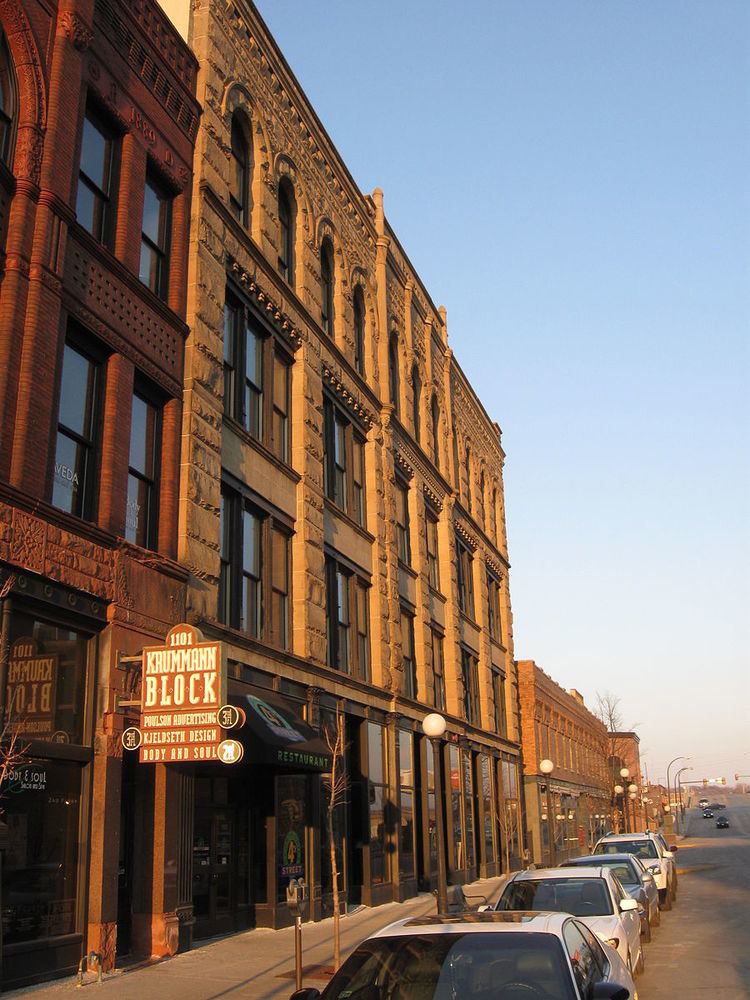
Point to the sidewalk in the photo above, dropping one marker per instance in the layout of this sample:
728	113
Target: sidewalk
254	965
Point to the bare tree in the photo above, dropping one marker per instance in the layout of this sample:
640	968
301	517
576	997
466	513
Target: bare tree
608	711
336	784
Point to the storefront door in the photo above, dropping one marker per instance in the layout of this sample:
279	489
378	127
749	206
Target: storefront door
213	871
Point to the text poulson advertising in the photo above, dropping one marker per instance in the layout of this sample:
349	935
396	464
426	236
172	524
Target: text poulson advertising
183	695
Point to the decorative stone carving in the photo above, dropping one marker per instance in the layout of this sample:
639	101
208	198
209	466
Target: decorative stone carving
77	31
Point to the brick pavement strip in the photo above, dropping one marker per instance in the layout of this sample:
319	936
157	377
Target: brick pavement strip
253	965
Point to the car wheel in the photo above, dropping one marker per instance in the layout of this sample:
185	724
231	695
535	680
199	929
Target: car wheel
665	900
656	919
647	933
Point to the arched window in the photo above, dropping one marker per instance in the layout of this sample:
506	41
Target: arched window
326	285
468	478
287	209
435	413
239	182
359	330
394	375
416	402
8	102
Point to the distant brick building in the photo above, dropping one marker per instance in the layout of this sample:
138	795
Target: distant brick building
568	808
624	754
98	121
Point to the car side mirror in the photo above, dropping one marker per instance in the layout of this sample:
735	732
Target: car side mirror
306	993
673	848
609	991
628	904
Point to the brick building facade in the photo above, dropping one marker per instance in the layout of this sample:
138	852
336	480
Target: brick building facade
341	512
570	807
98	121
624	753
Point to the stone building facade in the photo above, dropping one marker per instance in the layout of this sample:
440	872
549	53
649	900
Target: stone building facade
570	807
97	124
624	753
341	514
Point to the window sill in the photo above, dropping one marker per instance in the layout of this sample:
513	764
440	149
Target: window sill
347	519
497	644
409	570
437	594
467	618
246	437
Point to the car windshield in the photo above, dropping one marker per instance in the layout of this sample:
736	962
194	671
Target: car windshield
583	897
623	871
641	848
479	966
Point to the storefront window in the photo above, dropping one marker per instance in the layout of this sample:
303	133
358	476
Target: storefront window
46	681
489	844
291	795
431	810
512	810
468	790
41	808
406	782
455	792
378	776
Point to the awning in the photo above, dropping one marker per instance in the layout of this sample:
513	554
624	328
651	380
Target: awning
274	734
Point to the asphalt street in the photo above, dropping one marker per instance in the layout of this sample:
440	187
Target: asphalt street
702	949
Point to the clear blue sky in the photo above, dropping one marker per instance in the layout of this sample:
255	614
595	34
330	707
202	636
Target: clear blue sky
572	180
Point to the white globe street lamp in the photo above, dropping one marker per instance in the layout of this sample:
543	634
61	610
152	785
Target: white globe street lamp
632	788
624	772
546	766
619	789
433	726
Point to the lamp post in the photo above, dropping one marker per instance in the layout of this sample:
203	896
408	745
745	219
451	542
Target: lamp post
619	790
625	774
679	814
632	795
547	767
433	726
669	765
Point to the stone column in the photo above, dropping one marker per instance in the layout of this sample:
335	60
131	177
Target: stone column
113	479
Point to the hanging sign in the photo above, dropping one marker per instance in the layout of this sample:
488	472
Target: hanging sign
31	689
183	688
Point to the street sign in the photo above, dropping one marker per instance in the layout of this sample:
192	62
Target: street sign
183	687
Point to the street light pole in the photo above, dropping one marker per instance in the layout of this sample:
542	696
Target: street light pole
547	767
625	774
678	787
433	726
669	765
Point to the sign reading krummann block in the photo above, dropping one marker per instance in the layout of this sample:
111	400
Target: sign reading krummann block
183	692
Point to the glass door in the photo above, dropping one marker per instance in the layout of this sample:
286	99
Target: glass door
213	852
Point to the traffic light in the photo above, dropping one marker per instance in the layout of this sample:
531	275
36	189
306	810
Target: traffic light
705	781
722	781
736	776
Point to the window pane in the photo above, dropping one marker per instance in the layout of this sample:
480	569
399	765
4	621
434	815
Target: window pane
77	392
70	480
40	864
137	511
88	209
149	270
375	752
251	543
153	214
95	155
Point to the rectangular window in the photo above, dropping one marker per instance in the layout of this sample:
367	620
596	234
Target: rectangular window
344	465
455	808
433	568
498	691
257	376
470	678
494	620
402	522
76	451
438	669
407	839
95	199
468	790
378	800
431	809
155	237
254	585
465	573
486	773
347	621
142	511
280	443
408	661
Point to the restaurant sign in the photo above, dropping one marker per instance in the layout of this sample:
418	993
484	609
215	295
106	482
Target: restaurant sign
183	690
31	689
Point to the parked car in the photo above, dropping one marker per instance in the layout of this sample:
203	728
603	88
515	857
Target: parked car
669	852
516	956
594	894
650	849
635	879
722	823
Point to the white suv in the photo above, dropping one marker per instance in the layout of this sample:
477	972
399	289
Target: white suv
651	850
